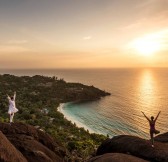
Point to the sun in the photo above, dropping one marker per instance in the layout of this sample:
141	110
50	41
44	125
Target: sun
146	46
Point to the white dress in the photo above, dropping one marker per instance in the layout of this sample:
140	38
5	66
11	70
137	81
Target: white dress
12	106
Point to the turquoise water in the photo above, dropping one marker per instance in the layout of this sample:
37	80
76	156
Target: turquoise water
132	91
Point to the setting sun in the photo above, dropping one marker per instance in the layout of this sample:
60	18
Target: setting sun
146	46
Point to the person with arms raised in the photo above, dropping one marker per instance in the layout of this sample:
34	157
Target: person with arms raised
152	122
12	106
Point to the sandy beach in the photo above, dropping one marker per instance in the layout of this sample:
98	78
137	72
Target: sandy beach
72	119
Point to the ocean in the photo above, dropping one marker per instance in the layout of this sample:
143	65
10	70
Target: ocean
132	91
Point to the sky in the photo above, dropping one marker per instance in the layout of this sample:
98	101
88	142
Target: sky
83	33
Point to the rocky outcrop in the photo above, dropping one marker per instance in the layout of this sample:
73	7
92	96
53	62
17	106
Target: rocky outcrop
35	145
135	146
116	157
8	153
162	138
24	143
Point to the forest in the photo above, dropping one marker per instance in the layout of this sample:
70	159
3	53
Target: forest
38	98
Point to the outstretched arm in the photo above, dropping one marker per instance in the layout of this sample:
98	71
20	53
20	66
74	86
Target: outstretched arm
8	97
145	116
157	115
14	96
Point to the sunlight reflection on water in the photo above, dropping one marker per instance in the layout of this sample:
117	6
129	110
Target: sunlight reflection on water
147	91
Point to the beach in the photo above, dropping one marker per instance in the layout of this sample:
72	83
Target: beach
72	119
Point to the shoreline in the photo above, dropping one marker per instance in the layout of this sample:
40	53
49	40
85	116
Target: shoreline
72	119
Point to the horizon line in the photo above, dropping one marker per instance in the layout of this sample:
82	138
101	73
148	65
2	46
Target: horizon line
87	68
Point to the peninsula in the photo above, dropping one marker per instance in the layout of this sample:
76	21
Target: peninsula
38	98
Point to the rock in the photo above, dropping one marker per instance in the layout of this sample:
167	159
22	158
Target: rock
135	146
8	153
34	144
116	157
162	138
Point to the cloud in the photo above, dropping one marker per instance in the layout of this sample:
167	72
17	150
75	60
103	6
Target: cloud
157	4
146	25
87	37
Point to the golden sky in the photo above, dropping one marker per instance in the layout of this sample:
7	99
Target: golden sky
83	33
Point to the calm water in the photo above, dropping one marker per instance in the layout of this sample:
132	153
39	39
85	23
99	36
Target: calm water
132	91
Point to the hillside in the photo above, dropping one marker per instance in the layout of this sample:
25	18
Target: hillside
37	100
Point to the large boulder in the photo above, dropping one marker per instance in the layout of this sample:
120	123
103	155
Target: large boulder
34	144
162	138
116	157
8	153
135	146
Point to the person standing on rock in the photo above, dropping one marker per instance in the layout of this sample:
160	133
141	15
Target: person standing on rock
152	122
12	106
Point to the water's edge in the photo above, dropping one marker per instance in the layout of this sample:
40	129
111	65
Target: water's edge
67	116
